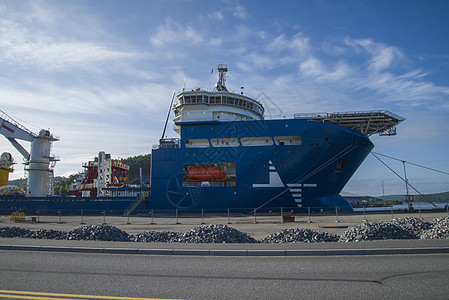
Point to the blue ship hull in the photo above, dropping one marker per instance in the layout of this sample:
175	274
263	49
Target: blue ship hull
306	175
55	205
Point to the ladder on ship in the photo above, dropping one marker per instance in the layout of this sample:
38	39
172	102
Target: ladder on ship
134	205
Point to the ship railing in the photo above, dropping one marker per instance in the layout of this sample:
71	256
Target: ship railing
168	143
321	116
200	216
209	90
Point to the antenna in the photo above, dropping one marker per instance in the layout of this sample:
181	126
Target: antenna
185	72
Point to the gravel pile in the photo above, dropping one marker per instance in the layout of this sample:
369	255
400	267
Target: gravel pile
405	228
370	231
99	233
412	224
215	234
438	229
300	235
158	236
49	234
12	232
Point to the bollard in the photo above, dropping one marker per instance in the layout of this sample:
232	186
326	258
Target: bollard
229	217
419	208
127	221
282	215
60	220
202	216
152	217
104	217
177	216
308	213
336	214
82	217
255	217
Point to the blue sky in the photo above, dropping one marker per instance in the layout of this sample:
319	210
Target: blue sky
100	74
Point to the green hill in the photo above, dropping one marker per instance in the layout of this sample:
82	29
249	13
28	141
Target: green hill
438	197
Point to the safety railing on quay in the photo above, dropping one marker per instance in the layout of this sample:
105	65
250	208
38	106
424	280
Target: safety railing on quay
203	216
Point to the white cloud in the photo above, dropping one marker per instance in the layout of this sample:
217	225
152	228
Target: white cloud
297	45
382	56
311	67
172	33
239	12
30	47
217	15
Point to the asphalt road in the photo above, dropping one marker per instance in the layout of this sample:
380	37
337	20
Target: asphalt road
197	277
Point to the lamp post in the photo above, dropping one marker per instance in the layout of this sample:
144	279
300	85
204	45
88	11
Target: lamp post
406	187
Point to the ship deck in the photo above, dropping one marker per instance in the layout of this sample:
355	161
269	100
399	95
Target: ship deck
382	122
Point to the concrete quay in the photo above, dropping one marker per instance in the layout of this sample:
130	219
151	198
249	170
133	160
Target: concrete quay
264	225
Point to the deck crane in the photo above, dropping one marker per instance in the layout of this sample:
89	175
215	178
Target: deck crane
39	163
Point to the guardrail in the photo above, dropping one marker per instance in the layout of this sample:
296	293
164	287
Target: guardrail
200	216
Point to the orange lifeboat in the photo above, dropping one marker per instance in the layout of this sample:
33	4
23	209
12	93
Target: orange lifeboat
206	174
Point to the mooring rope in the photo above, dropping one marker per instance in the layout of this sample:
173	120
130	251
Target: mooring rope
406	182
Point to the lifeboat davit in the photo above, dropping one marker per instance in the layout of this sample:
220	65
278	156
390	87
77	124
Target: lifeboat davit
206	174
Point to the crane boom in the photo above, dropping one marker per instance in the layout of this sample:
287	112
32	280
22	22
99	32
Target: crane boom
19	148
12	129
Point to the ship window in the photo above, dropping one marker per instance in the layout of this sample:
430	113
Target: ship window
187	99
197	143
225	142
288	140
215	99
206	99
256	141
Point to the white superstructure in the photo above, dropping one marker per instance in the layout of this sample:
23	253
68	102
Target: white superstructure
40	162
217	105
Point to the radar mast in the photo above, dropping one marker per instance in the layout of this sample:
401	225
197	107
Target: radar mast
220	85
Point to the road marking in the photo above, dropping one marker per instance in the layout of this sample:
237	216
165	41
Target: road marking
38	296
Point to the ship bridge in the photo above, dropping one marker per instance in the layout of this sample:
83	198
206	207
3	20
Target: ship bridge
382	122
218	104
